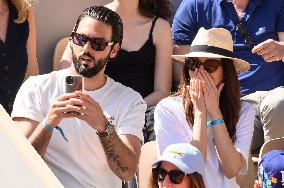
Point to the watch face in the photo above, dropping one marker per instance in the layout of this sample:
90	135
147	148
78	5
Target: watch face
109	130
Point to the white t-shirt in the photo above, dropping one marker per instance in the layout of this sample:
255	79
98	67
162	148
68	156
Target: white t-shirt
81	162
171	127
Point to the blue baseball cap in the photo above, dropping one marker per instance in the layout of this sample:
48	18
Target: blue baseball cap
184	156
271	170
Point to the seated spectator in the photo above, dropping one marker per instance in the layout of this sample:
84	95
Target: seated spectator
207	111
17	48
257	40
103	134
181	165
271	170
144	62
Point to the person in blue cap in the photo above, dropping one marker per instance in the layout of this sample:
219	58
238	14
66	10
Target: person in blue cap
271	170
181	165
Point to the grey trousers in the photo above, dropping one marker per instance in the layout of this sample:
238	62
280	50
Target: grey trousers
269	119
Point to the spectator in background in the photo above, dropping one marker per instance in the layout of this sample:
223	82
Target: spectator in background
209	94
17	48
144	62
271	170
105	135
257	40
175	5
181	165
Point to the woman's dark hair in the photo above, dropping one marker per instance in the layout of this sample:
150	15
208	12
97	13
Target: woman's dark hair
106	16
229	97
151	8
196	180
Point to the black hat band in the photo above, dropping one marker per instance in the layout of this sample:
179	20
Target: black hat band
211	49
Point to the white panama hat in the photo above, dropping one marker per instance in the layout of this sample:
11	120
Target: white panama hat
214	43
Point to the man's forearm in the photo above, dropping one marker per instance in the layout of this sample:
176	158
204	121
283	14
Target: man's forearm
39	139
122	160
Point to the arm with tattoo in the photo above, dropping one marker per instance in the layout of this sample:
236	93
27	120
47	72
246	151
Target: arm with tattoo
122	154
122	151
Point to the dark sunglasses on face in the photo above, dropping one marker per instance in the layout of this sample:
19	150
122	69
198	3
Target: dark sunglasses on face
241	28
97	44
175	176
210	65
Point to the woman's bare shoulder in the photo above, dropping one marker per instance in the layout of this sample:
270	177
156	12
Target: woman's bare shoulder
163	23
162	31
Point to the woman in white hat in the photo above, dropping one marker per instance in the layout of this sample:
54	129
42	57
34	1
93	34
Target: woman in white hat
207	111
180	166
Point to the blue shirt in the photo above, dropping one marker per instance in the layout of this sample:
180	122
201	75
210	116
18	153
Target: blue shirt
263	20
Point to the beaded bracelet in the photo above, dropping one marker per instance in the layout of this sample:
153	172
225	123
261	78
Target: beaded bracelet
215	122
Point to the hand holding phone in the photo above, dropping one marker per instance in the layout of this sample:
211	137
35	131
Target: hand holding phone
74	83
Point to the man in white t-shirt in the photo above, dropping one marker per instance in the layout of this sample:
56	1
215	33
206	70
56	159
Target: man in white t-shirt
99	145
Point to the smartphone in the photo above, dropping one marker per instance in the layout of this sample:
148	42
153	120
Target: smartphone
74	83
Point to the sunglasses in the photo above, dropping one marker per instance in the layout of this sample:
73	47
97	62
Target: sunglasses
241	28
175	176
97	44
210	65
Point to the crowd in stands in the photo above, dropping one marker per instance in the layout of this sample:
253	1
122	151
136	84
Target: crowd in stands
208	89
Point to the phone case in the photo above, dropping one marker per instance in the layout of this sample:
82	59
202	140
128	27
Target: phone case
73	83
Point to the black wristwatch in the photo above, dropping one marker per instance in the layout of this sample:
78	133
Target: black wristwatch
109	130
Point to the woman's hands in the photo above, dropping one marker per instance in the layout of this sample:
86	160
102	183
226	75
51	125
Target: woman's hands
203	92
199	130
196	91
211	92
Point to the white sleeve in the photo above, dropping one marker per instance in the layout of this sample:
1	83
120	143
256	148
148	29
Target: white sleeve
28	102
244	133
134	119
170	124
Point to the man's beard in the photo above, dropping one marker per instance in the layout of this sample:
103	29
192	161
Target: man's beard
87	71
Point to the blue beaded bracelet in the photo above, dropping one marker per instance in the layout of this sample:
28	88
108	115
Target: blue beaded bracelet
215	122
